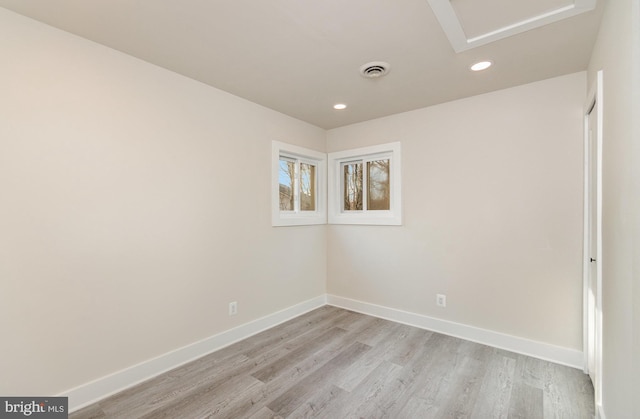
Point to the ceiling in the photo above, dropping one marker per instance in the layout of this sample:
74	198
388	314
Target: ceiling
300	57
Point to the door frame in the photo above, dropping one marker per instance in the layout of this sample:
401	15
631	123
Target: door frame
594	103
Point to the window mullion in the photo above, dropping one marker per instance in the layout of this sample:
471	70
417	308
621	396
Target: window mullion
296	188
365	185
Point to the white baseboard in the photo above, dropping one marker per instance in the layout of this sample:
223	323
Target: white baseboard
101	388
545	351
96	390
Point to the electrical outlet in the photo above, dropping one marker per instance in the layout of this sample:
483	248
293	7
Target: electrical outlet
441	300
233	308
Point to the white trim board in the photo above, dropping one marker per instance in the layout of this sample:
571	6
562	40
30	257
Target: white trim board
101	388
600	412
452	27
557	354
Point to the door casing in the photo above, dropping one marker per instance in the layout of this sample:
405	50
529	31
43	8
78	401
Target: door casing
592	287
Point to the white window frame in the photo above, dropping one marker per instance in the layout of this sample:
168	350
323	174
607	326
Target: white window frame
301	155
393	216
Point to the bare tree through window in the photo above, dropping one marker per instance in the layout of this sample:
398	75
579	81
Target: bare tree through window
378	190
307	187
295	174
375	181
286	177
353	179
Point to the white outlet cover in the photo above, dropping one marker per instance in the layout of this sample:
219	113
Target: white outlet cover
233	308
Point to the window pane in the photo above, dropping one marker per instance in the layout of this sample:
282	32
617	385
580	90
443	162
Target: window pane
378	196
286	177
352	173
307	187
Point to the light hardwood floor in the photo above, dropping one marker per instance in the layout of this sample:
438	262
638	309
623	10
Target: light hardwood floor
334	363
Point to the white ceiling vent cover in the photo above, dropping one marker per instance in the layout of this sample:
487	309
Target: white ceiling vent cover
375	69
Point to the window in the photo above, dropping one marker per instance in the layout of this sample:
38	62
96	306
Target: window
376	179
298	186
364	186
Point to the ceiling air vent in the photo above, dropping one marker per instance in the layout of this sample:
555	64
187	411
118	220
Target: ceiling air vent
375	69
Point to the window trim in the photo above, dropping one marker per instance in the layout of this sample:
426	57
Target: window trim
295	218
393	216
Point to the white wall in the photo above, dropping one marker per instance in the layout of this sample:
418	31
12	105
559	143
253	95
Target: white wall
492	189
616	53
635	106
134	205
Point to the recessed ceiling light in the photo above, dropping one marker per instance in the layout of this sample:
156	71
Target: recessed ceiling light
482	65
339	106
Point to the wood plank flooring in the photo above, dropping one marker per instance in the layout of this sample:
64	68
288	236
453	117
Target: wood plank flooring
334	363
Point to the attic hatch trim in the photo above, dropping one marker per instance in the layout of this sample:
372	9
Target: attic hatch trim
452	26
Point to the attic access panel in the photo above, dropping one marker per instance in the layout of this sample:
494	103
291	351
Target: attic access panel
471	23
